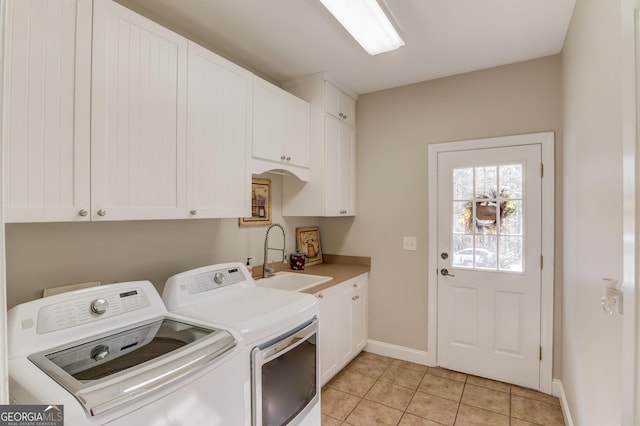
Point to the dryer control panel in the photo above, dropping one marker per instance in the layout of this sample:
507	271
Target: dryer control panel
211	280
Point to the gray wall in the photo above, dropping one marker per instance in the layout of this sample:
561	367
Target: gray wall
593	232
53	254
394	128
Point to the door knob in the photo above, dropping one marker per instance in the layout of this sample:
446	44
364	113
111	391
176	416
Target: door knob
445	272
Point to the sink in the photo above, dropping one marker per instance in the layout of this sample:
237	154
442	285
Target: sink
292	281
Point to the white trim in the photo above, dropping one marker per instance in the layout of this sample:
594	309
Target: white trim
558	391
4	369
546	140
399	352
631	321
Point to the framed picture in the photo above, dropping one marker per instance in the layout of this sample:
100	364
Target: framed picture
260	204
308	242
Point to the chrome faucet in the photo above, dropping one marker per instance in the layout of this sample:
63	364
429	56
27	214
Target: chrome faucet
266	271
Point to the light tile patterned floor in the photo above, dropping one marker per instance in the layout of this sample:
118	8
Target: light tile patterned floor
376	390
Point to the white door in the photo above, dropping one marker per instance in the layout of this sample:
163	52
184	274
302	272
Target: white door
138	117
339	168
46	114
218	136
489	261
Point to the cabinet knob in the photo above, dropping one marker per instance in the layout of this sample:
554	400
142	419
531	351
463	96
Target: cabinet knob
193	212
282	157
344	116
288	158
341	115
355	285
320	296
343	212
83	212
102	212
354	298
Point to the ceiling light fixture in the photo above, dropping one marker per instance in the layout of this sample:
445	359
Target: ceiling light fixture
367	23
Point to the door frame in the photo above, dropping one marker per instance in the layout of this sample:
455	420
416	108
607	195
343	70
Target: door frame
630	25
546	141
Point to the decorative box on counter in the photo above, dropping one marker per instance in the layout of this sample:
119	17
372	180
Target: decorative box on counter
297	261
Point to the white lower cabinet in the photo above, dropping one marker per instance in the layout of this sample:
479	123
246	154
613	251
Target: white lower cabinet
343	324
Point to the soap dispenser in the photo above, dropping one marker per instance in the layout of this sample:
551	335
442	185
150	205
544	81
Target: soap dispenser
249	267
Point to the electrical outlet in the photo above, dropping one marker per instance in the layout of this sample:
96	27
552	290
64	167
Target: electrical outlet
409	243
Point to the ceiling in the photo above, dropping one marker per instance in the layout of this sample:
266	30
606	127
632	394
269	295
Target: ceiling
288	39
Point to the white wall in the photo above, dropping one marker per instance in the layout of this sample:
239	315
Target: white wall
592	341
394	128
53	254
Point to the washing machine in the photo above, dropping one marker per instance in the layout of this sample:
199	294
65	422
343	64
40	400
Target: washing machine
279	330
113	355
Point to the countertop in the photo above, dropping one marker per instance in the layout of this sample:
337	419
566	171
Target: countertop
340	268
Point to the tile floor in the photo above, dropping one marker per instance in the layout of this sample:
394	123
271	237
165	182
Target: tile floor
376	390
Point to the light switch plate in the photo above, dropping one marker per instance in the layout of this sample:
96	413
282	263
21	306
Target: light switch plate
409	243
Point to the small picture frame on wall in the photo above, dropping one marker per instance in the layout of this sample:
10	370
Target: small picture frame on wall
260	204
308	242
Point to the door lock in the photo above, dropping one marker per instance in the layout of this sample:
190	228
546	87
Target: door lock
445	272
444	255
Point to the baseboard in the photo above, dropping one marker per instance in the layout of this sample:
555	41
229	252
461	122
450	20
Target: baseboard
558	391
395	351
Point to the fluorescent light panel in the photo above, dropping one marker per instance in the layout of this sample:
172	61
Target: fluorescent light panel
367	23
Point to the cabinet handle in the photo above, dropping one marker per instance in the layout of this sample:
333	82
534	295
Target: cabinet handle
83	212
102	212
193	212
288	158
343	212
320	296
282	157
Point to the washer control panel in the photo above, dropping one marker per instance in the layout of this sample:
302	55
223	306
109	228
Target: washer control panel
212	280
90	307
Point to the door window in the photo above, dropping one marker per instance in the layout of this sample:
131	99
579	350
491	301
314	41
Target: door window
488	221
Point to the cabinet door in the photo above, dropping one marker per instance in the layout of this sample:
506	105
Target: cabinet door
218	136
344	318
138	117
268	122
347	107
47	103
359	314
347	170
339	168
328	332
338	104
296	131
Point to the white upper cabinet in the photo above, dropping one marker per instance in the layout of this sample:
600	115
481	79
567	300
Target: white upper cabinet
46	110
280	129
339	104
138	134
340	148
330	190
110	116
219	126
